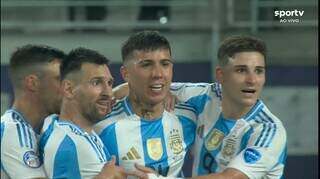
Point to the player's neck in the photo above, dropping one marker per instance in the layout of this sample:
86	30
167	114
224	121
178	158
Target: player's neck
70	112
146	110
233	110
32	111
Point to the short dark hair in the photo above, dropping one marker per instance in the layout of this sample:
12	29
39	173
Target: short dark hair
144	40
30	56
77	57
240	43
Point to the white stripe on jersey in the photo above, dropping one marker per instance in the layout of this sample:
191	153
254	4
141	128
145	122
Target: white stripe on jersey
19	148
63	141
160	144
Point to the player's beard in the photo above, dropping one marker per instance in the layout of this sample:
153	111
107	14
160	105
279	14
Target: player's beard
91	113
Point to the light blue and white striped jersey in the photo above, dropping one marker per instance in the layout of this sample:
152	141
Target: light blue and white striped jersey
160	144
19	148
255	144
70	152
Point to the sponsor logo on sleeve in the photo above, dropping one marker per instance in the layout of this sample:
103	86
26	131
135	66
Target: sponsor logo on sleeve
251	156
31	159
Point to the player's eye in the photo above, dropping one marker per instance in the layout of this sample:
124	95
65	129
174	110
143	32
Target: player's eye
96	82
259	71
145	64
110	82
166	63
240	70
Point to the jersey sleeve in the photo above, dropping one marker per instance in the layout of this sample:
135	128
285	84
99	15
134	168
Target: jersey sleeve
196	95
19	152
263	154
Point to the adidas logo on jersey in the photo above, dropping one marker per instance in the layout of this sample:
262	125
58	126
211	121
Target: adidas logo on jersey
132	155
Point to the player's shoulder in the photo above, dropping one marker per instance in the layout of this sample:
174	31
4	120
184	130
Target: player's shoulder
212	89
12	116
261	116
13	124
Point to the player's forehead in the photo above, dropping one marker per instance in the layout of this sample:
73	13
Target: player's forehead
154	55
92	70
250	59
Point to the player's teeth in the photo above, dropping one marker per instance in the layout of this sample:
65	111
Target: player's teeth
156	87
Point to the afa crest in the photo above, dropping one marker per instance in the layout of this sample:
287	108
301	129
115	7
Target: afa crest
214	139
175	142
154	148
229	148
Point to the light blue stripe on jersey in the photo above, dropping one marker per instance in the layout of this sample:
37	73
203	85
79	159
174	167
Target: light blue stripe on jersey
254	110
208	163
100	152
112	145
30	140
23	129
186	107
245	139
19	134
66	152
283	156
46	134
188	130
2	130
199	102
25	135
268	131
149	132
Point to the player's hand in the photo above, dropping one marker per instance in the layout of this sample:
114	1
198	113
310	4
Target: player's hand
142	172
111	171
170	101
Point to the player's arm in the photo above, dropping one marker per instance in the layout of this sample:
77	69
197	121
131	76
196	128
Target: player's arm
111	171
264	153
147	173
120	91
19	155
229	173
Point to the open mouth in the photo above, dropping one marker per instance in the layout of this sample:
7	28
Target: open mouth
103	103
156	87
249	91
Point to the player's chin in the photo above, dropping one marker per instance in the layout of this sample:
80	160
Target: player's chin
103	110
249	101
156	99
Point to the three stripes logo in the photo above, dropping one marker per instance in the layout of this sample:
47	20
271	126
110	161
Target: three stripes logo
132	155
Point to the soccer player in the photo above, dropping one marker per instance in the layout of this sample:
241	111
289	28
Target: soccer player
139	130
237	135
70	147
34	72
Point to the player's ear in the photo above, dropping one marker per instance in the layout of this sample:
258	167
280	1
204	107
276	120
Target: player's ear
124	73
67	87
219	74
31	82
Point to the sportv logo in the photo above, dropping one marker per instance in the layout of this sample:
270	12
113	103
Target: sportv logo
285	16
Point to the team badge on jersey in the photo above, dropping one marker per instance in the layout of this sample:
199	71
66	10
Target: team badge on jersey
229	148
214	139
31	159
175	142
154	148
